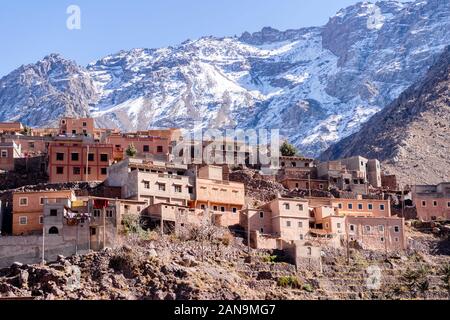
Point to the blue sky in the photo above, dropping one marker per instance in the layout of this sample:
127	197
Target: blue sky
32	29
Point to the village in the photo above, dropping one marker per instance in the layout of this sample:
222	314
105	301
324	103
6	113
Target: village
92	180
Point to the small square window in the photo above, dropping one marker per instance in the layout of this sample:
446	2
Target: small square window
338	225
261	230
435	203
146	148
370	206
381	228
59	156
424	203
161	187
59	170
287	206
222	209
159	149
41	219
300	207
76	170
104	171
234	210
146	184
352	227
382	207
261	215
300	224
104	157
215	208
4	153
178	189
397	229
202	206
53	213
84	124
340	205
23	201
288	223
75	156
360	206
97	213
42	201
350	206
23	221
91	157
368	228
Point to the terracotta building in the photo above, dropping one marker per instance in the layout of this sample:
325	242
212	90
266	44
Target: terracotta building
11	127
28	208
152	181
78	159
76	126
222	199
9	151
432	202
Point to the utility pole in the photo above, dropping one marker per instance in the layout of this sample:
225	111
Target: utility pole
104	225
309	183
43	240
348	241
87	163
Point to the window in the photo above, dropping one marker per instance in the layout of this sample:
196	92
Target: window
146	148
159	149
97	213
89	170
75	156
360	206
74	131
84	124
340	205
93	231
234	210
338	225
23	221
161	187
382	207
42	200
147	184
288	223
53	230
23	201
382	239
190	190
262	230
321	186
300	207
301	237
4	153
261	215
31	145
424	203
286	206
370	206
59	170
352	227
76	170
368	228
350	206
222	209
202	206
296	185
91	157
104	157
300	224
397	229
41	219
381	228
178	189
396	239
327	225
53	213
215	208
435	203
448	204
59	156
104	171
109	213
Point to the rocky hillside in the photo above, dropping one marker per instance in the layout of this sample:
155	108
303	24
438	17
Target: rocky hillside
412	135
168	269
318	84
43	92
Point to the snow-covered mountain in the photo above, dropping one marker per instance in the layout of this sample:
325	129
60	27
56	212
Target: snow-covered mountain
317	85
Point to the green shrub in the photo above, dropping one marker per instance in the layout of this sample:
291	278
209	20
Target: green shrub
270	259
307	287
289	282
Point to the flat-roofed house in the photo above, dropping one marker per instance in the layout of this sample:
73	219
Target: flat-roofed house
432	202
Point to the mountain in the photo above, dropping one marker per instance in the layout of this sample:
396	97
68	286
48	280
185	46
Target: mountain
317	85
412	135
41	93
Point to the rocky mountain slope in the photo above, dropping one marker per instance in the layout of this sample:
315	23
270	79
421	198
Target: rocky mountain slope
318	85
170	269
412	135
